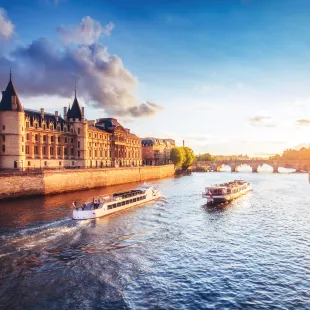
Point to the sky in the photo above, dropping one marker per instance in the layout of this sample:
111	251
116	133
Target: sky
225	76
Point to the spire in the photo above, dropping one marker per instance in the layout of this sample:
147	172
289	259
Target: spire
10	100
75	110
75	89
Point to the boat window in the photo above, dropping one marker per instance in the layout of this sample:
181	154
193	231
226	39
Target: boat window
130	201
110	207
114	205
127	202
135	199
119	204
123	203
144	197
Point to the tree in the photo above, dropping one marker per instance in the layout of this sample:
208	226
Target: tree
189	157
177	156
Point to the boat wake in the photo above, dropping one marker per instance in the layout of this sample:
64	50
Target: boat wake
40	235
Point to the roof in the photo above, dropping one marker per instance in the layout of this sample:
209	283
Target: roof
48	118
6	103
75	110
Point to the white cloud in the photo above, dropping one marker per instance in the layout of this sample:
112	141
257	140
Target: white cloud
87	32
6	26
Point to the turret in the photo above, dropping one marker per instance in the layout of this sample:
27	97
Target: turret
12	130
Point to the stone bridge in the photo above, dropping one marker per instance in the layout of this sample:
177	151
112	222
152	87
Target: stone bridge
299	165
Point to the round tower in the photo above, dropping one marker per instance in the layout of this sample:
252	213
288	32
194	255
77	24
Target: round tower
12	130
75	117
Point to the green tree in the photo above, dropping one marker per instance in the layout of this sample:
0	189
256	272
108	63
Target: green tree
189	157
177	156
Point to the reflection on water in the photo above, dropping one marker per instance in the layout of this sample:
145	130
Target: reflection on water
174	253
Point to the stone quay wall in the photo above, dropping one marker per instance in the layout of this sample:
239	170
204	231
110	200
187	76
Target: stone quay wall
19	184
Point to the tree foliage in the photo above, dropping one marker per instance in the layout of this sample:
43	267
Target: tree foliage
303	153
189	157
177	156
182	156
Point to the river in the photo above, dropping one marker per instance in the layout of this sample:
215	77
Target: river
174	253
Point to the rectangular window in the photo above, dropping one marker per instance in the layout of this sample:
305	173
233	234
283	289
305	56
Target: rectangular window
3	148
3	138
110	207
52	139
58	139
27	136
44	150
119	204
66	151
89	153
60	163
66	140
51	150
135	199
79	154
72	151
78	144
123	203
44	138
58	151
22	148
71	140
36	150
29	163
95	153
27	149
79	130
44	126
36	138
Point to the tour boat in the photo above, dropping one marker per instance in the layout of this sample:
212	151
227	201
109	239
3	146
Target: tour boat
119	201
226	191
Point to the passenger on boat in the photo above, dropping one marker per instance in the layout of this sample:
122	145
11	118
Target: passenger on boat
84	206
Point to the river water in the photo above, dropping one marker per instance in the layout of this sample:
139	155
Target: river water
174	253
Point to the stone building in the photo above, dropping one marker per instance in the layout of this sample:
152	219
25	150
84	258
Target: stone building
36	139
156	151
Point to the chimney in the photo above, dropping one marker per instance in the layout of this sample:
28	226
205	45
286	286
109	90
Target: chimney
82	112
65	113
56	115
42	113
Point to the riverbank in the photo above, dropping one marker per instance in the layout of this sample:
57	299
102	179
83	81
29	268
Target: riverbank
47	182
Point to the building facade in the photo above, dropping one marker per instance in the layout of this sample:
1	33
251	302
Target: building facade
32	139
156	151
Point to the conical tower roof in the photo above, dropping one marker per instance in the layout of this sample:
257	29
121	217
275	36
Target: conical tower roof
10	100
75	110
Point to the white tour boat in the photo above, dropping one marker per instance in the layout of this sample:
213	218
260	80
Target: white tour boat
226	191
119	201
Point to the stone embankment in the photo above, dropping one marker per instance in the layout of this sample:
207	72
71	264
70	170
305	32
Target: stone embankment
19	184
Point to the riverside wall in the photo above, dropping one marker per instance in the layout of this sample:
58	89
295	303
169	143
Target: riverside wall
19	184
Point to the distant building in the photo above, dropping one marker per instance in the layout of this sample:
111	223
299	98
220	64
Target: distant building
156	151
36	139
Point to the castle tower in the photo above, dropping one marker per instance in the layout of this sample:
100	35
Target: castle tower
12	130
75	117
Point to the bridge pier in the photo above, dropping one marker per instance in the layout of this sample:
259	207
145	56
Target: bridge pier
275	169
254	168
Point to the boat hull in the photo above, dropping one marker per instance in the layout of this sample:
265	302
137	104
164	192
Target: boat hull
216	199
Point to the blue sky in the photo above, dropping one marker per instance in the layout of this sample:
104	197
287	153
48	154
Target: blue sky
226	76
